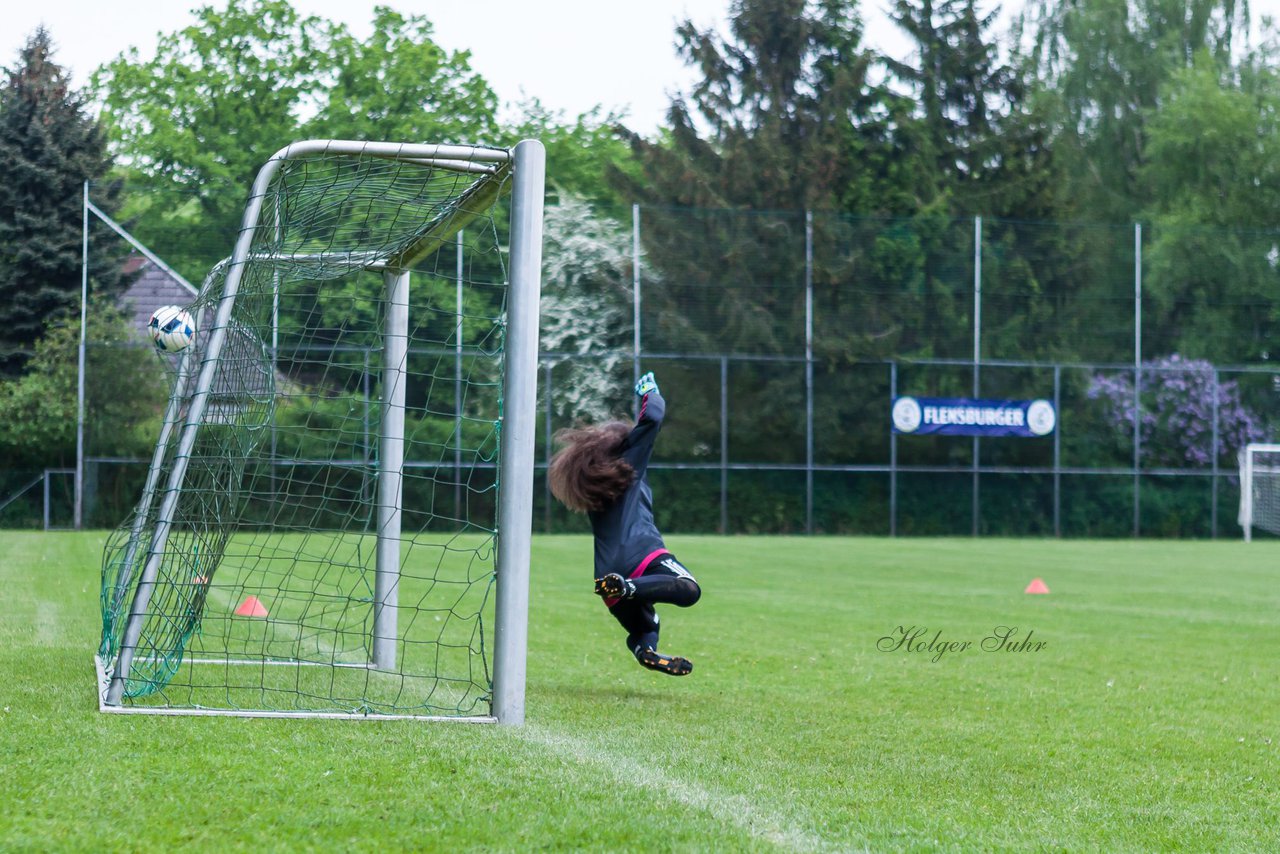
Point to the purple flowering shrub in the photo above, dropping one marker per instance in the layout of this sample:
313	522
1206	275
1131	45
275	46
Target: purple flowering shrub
1176	411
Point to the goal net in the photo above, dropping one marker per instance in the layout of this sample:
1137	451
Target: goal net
336	517
1260	489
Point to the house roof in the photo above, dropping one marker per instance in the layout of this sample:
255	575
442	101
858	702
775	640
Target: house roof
244	375
153	288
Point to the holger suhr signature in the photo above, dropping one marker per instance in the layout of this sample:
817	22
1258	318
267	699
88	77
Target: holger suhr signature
918	639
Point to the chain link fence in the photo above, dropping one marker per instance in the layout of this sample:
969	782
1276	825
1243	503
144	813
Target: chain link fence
781	338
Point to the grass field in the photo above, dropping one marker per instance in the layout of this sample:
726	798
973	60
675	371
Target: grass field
1149	719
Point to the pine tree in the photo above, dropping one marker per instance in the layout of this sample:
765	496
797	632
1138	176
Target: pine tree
784	119
986	147
786	104
49	146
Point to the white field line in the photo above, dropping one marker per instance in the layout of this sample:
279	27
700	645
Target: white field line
737	810
47	623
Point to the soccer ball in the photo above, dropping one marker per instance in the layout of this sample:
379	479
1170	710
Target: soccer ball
171	329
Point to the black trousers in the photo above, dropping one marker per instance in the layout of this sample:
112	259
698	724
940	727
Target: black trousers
665	579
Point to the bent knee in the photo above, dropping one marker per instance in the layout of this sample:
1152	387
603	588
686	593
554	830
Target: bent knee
689	592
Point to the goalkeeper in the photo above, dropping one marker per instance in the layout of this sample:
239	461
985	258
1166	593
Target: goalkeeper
602	471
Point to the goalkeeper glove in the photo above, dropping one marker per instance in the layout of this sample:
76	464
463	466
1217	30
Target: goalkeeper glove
646	385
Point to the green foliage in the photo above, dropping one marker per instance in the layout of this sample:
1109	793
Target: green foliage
788	110
582	153
400	85
49	146
1104	64
1213	178
978	142
124	394
194	123
218	97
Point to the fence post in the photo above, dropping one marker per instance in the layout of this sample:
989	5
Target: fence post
977	358
1057	452
808	371
546	449
1213	492
893	456
635	296
80	357
724	444
1137	378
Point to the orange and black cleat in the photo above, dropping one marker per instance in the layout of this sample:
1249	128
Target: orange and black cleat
614	586
671	664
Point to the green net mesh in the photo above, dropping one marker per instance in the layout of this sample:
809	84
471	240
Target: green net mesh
246	578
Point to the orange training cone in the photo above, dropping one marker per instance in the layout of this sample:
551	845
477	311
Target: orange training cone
251	607
1036	586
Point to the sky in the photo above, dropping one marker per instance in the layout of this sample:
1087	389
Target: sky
570	54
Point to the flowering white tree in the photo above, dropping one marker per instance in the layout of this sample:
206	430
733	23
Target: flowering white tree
586	309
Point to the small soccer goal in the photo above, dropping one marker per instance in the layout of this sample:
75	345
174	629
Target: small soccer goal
337	517
1260	489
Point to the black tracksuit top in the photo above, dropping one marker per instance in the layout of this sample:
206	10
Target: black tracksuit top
625	532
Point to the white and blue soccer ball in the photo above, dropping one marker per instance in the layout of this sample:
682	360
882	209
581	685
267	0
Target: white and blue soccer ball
171	328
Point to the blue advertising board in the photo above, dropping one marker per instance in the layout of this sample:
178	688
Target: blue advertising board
963	416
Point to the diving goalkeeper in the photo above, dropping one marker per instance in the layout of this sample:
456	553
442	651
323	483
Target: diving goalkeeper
602	471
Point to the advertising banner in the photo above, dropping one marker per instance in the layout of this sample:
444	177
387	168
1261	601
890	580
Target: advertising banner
962	416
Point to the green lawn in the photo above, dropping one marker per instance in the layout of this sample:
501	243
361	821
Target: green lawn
1149	720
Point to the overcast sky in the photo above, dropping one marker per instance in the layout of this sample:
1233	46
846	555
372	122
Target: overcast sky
570	54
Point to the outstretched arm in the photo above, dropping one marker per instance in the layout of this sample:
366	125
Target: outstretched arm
653	408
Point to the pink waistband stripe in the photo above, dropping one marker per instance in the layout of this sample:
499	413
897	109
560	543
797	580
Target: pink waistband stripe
639	571
644	564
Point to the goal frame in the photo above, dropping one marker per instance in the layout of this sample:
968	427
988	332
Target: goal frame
521	170
1246	483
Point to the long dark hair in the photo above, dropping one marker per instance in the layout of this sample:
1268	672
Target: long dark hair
588	473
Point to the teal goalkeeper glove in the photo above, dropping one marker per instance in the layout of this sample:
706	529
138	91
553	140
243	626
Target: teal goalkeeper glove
646	385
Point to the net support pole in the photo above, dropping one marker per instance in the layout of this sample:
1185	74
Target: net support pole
386	583
80	361
519	424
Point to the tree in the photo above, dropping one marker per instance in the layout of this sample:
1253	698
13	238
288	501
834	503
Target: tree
49	146
1212	176
125	394
984	142
783	120
194	124
584	152
1103	64
586	309
401	86
787	107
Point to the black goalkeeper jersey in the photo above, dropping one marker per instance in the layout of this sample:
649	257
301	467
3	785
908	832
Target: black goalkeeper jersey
625	532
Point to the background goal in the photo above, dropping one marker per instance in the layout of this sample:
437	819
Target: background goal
336	519
1260	489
